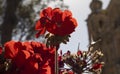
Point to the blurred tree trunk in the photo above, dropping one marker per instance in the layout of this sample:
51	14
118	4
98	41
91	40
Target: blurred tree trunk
10	20
104	25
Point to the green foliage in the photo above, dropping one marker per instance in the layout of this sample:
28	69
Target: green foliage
53	40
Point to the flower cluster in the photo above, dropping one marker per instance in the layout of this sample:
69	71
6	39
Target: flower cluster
81	62
56	21
29	58
59	25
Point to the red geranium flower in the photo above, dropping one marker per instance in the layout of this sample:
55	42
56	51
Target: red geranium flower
56	21
30	57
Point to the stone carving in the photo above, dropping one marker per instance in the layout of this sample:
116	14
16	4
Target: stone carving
104	26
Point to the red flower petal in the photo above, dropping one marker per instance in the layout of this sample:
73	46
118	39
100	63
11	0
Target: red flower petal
41	32
21	58
27	46
11	50
66	14
38	25
30	67
57	15
46	12
39	47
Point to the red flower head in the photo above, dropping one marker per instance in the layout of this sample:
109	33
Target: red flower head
30	57
56	21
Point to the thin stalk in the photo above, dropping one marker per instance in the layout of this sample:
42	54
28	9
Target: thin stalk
56	60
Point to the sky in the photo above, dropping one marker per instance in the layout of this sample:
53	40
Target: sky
80	10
